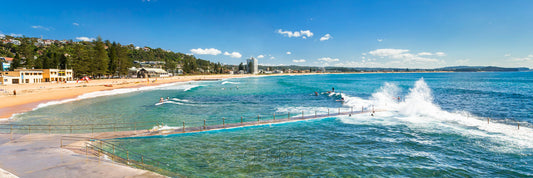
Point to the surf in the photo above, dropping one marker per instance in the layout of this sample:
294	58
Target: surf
418	111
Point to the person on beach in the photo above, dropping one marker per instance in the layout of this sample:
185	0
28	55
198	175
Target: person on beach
15	92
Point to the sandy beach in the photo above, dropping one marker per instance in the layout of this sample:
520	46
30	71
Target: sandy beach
29	96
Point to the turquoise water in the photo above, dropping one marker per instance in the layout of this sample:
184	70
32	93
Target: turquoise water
437	128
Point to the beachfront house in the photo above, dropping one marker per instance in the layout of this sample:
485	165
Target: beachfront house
20	76
57	75
5	63
147	72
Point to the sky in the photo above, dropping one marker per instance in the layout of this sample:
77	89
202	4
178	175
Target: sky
396	33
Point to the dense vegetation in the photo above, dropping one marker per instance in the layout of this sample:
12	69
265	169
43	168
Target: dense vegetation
98	58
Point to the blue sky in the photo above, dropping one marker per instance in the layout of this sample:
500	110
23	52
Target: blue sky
412	34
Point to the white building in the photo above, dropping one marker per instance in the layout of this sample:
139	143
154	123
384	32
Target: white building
252	66
20	76
148	73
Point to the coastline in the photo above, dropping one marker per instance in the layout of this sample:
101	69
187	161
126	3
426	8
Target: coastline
29	96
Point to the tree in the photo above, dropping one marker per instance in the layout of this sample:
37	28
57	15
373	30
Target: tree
100	59
27	51
15	63
241	66
113	58
123	60
81	61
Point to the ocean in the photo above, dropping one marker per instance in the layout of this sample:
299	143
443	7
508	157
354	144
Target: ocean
426	124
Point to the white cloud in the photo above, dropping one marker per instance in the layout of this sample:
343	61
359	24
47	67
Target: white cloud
206	51
525	59
425	54
402	54
272	57
40	27
307	33
298	61
260	56
507	55
440	54
328	59
388	52
380	40
463	61
302	33
520	61
15	35
82	38
76	24
289	53
232	55
325	37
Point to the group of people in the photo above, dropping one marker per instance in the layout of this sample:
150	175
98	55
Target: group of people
163	100
332	91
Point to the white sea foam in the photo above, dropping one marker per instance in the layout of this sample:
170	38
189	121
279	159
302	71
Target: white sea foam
163	127
228	82
420	113
178	101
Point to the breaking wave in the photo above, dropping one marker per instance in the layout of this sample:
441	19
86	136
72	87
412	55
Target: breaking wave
417	110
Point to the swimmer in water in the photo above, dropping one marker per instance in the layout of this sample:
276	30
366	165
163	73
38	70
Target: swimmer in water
332	89
168	98
316	93
161	100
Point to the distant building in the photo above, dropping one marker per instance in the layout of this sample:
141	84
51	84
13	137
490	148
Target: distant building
58	75
252	66
20	76
5	63
147	72
5	66
15	42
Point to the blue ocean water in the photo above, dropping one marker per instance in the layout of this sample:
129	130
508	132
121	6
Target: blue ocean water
438	127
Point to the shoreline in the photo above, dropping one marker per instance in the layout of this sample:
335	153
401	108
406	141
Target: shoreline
30	96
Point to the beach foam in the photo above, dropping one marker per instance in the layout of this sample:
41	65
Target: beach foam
228	82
